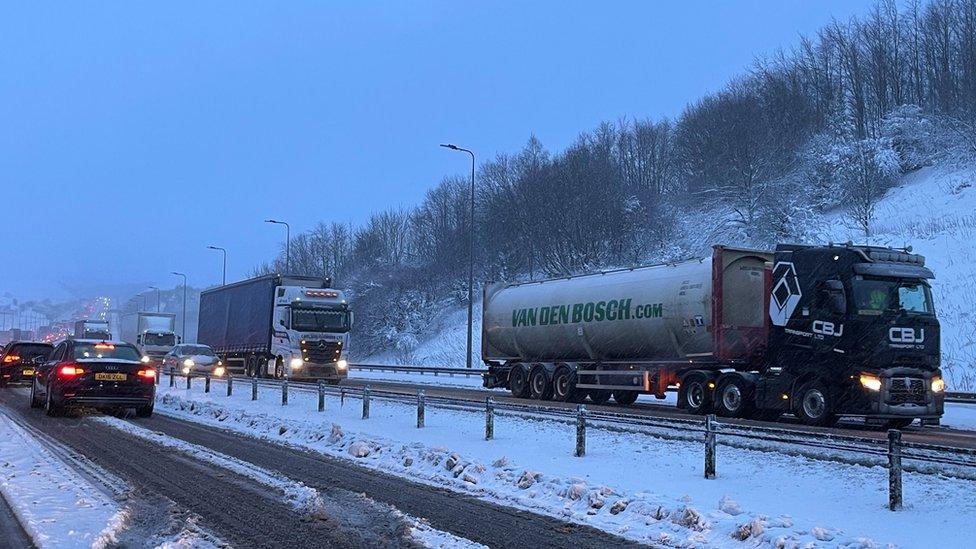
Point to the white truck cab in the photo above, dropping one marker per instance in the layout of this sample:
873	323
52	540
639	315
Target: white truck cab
310	332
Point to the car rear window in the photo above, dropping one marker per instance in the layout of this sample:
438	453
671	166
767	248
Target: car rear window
27	351
105	350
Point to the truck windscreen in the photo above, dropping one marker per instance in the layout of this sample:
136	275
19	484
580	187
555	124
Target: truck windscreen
876	296
319	320
149	338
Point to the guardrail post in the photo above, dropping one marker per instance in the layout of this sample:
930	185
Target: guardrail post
206	383
188	377
284	393
254	388
421	402
230	384
366	402
710	446
158	375
489	418
321	388
172	379
894	469
580	430
342	397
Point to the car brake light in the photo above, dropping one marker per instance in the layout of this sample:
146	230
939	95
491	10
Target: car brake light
70	370
10	358
104	346
150	373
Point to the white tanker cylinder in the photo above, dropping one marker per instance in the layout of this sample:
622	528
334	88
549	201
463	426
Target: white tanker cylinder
646	314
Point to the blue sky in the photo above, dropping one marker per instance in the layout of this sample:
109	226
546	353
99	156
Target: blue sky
134	134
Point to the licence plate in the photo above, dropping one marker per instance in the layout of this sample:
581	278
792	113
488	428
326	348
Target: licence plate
109	377
28	372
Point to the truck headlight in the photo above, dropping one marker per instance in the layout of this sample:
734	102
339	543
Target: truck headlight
342	364
188	363
219	371
938	385
871	382
296	363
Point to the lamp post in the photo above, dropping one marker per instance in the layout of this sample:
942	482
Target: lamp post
157	296
224	252
183	331
287	242
454	147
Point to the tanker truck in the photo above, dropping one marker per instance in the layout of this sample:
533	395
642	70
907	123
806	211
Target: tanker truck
817	331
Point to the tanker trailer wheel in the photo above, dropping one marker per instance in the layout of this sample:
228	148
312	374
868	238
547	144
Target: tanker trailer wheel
564	386
814	405
734	398
599	396
540	388
518	381
625	398
693	395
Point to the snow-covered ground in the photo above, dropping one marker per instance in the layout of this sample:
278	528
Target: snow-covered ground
443	380
638	486
56	506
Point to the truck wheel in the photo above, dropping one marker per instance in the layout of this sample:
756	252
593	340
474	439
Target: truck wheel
599	396
693	396
734	398
539	386
564	386
518	381
279	368
625	398
814	405
251	366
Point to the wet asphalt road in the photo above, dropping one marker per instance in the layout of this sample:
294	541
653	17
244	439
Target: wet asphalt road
360	504
11	533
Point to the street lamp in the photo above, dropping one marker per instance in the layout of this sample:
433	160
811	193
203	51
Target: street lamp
454	147
224	252
287	242
183	332
157	296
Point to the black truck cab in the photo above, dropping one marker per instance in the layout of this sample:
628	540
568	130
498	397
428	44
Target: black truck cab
852	332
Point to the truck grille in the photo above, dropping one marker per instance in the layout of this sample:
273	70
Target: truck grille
322	352
906	390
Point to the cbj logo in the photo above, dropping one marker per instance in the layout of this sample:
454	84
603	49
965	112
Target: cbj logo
827	328
906	335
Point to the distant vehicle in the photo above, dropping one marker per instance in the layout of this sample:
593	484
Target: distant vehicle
17	360
278	326
193	358
817	331
92	329
94	373
153	333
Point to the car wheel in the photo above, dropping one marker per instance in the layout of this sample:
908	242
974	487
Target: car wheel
34	402
50	407
734	398
145	411
518	381
539	386
693	396
814	405
625	398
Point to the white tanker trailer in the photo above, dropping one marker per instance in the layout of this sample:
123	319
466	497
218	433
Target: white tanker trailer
743	332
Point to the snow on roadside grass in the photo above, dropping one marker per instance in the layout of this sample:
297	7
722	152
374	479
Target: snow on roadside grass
56	506
637	486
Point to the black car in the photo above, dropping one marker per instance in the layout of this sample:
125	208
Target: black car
97	374
17	360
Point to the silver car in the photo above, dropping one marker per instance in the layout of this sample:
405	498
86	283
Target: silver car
193	358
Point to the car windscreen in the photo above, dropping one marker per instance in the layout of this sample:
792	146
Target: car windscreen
167	340
197	350
319	320
105	350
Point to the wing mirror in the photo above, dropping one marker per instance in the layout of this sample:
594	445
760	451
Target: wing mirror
836	300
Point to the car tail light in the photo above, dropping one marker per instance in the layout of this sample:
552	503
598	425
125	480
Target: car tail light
11	358
148	372
70	370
